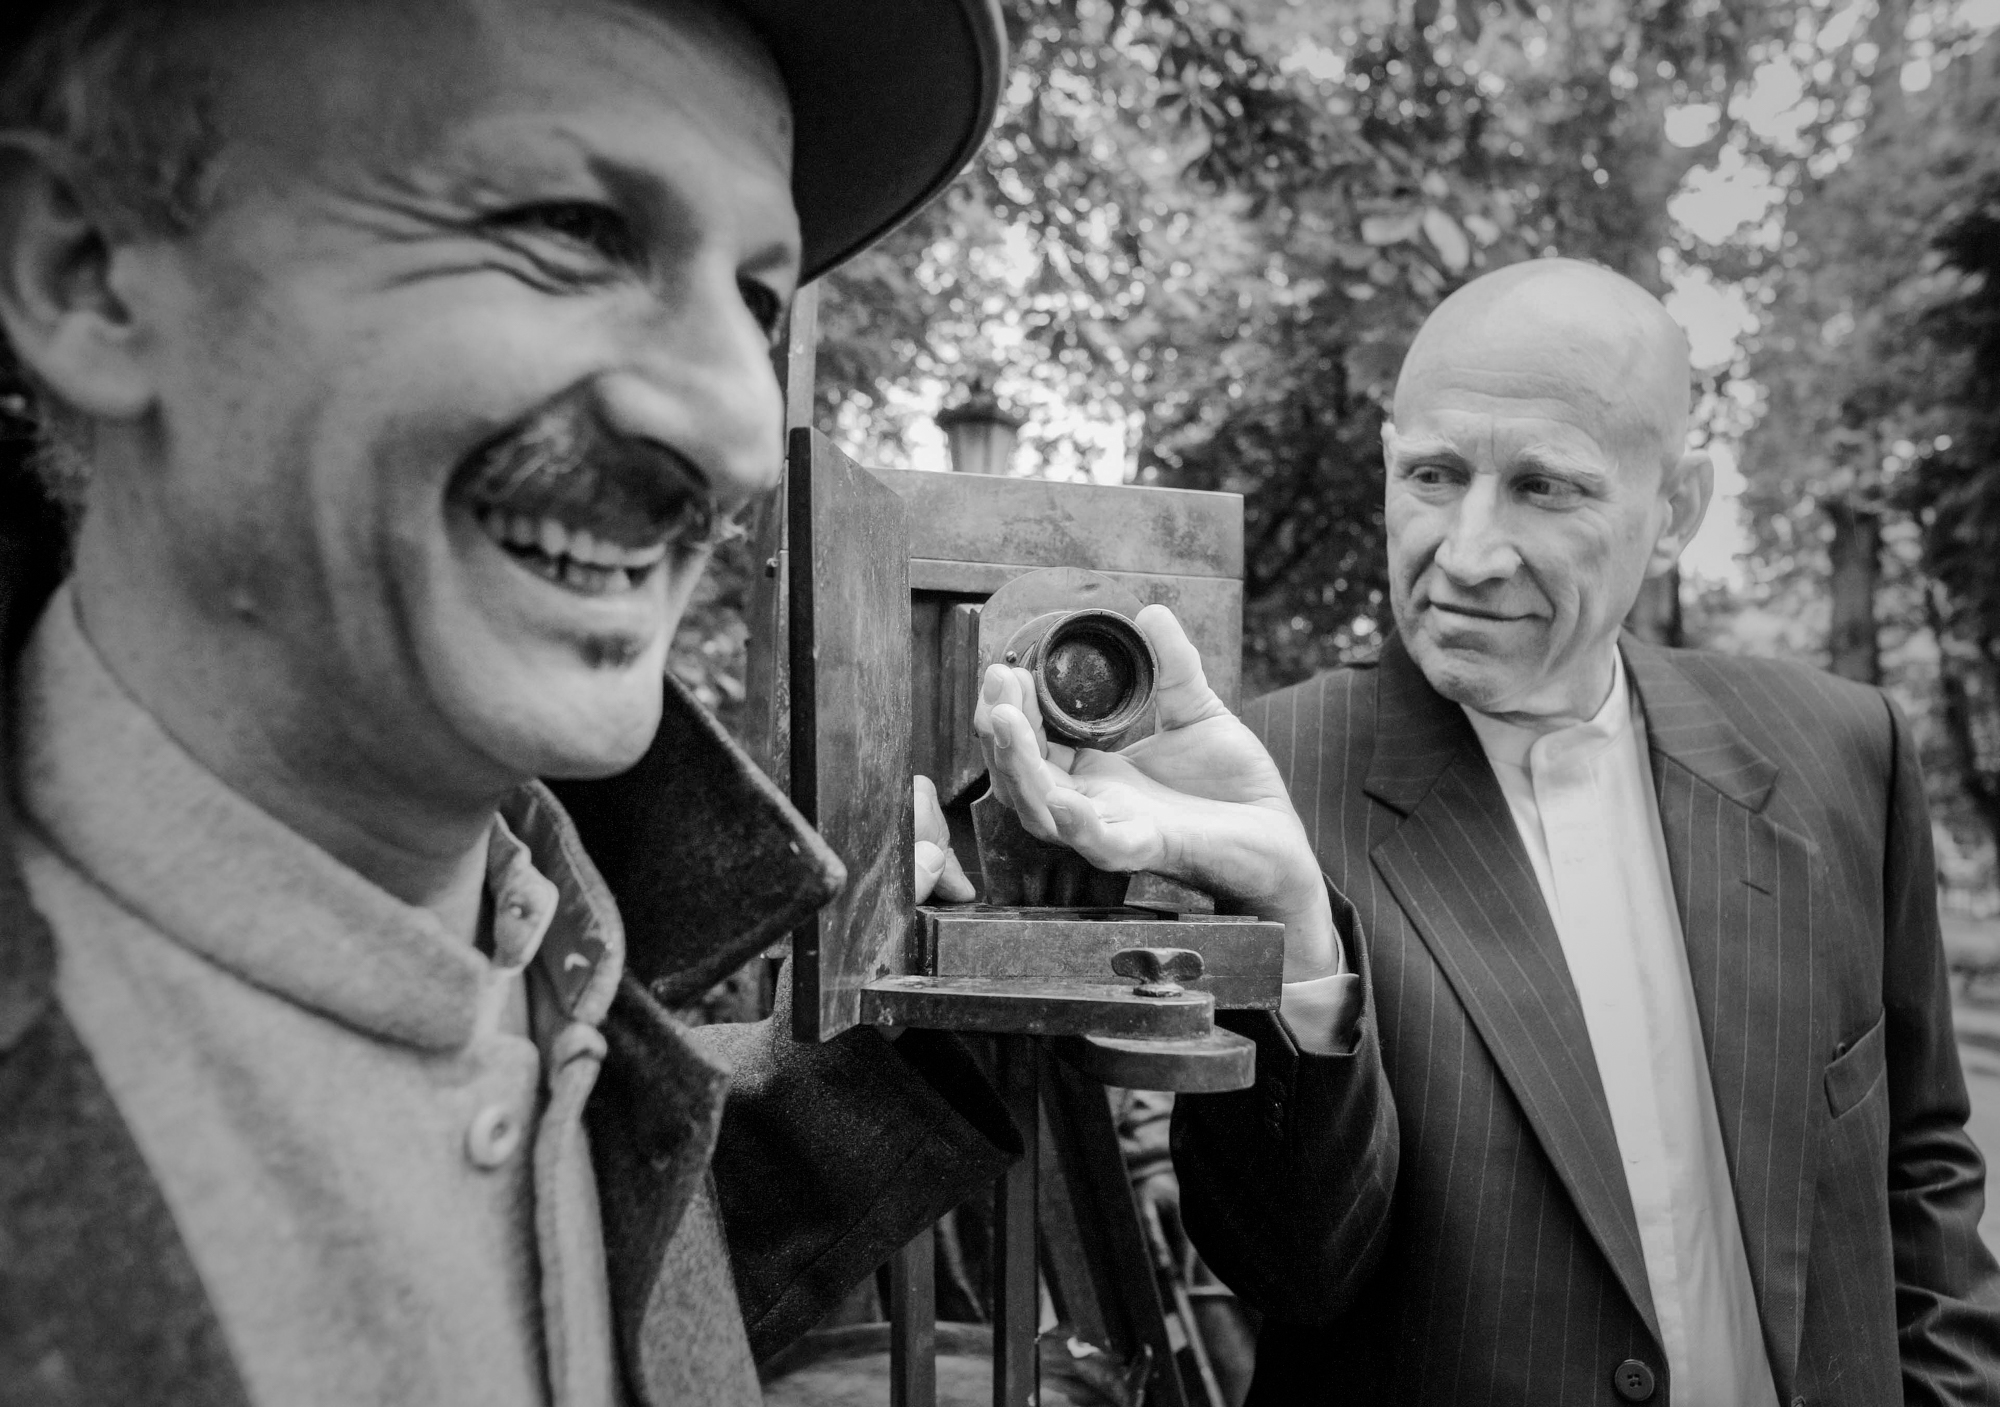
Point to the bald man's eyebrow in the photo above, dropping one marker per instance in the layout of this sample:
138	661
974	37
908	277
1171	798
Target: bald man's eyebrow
1552	459
1432	448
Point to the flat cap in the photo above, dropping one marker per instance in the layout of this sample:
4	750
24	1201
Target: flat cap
890	100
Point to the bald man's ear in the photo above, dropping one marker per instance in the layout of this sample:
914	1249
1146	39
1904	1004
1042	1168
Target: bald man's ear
58	303
1685	490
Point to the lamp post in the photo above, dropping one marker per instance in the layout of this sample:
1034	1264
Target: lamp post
980	432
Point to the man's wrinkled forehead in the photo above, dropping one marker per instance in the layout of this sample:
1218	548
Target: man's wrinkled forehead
308	83
1571	343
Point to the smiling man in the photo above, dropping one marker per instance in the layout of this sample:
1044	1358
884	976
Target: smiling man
401	361
1653	978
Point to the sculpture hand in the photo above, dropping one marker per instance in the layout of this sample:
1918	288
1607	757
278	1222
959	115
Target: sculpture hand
1200	801
938	872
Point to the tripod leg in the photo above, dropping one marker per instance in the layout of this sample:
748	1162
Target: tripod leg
913	1323
1017	1301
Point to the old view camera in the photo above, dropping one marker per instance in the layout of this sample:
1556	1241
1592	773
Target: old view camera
899	589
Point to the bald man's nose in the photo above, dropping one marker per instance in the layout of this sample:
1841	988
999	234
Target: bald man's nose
1475	549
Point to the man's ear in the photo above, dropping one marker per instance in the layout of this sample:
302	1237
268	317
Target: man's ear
59	306
1685	490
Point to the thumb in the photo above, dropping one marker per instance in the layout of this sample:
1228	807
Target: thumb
929	868
1183	696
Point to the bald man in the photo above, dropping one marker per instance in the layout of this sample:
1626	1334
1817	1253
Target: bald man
1647	942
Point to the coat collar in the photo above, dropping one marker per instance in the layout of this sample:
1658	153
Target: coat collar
1685	726
1427	732
1420	733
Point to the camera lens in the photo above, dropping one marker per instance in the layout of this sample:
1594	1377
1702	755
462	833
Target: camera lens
1094	675
1088	680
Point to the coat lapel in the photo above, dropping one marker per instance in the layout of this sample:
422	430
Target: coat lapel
1743	884
653	1120
1461	874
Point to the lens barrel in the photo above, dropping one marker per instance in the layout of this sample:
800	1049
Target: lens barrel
1094	676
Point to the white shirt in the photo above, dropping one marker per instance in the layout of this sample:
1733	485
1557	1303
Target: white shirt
1582	798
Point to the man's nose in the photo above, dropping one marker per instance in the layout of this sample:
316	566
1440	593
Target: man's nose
699	380
1475	549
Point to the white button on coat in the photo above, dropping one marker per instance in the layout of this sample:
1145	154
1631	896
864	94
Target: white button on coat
493	1137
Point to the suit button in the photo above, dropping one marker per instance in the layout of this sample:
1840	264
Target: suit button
1633	1380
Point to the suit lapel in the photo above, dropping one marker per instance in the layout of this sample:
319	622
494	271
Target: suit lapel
1743	885
1458	868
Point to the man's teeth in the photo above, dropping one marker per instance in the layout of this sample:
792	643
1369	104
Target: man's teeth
570	555
554	539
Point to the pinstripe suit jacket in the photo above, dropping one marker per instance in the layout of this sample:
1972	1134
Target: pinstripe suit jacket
1497	1259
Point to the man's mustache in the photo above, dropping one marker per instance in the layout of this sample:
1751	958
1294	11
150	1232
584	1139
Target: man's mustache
563	462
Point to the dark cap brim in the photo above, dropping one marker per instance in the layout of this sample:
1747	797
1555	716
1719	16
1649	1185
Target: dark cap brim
890	100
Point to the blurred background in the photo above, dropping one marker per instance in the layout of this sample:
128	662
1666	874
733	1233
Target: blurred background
1205	230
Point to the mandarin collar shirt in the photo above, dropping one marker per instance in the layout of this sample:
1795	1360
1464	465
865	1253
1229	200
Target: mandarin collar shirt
1582	798
369	1132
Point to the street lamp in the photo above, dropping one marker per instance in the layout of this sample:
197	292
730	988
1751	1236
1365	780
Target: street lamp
979	430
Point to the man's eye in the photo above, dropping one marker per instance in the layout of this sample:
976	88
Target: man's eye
1548	490
1429	475
597	228
764	304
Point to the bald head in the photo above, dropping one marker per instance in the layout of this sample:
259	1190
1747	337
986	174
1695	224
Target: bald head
1599	339
1538	474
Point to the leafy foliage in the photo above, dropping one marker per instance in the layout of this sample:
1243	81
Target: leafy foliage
1954	484
1881	363
1217	226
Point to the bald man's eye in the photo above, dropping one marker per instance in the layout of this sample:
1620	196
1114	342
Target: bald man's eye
1432	477
1548	491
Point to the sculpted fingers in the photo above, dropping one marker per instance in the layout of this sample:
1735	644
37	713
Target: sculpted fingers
1001	685
1017	772
938	873
930	865
952	885
1029	702
1081	825
1183	695
939	876
993	691
930	816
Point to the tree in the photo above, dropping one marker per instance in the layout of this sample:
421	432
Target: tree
1219	226
1831	356
1881	361
1953	483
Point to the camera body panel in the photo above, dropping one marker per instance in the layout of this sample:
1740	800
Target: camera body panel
895	590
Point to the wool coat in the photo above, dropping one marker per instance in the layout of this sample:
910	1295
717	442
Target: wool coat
823	1157
1496	1258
